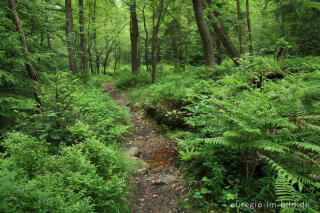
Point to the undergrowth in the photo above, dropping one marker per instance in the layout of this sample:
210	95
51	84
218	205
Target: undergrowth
250	135
65	157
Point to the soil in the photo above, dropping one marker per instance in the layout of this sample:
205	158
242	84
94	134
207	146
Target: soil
158	184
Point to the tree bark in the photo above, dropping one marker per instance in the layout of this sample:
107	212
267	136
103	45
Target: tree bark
158	13
208	51
134	33
146	40
249	27
48	38
239	26
95	35
223	36
30	69
84	61
69	26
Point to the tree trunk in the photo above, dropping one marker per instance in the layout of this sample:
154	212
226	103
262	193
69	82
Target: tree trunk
69	26
84	62
223	36
208	51
134	33
48	38
249	27
239	26
31	71
95	34
146	41
158	13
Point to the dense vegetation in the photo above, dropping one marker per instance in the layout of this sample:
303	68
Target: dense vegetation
235	82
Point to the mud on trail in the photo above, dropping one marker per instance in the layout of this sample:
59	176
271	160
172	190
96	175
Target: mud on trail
158	185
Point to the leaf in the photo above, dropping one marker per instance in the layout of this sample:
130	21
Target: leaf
55	136
205	191
300	186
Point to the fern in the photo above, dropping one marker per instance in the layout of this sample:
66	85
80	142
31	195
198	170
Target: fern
286	192
305	145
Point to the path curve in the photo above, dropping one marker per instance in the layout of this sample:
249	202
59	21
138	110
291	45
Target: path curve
158	185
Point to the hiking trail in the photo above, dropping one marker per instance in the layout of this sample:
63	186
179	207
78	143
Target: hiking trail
158	185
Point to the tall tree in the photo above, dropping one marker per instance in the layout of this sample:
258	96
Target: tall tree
207	44
95	35
134	33
249	26
222	34
69	26
146	40
158	13
240	26
31	71
84	62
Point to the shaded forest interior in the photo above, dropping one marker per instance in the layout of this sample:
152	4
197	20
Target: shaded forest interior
234	83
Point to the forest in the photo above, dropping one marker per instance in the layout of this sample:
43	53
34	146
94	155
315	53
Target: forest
159	106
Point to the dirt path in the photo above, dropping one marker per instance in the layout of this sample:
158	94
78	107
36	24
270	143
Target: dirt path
158	184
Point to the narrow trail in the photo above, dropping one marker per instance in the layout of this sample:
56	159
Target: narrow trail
158	185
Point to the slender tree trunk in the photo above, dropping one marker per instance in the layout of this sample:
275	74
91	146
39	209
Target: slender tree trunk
240	26
84	62
146	41
69	26
134	33
159	14
31	71
95	35
208	51
223	36
90	41
249	27
154	41
106	62
48	38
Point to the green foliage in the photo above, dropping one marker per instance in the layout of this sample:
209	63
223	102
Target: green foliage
250	138
40	172
66	102
126	79
88	177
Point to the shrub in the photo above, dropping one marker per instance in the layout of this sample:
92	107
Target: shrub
88	177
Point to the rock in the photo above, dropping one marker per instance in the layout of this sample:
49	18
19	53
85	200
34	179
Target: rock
164	179
132	151
142	171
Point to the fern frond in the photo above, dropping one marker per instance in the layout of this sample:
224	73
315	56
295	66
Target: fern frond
267	145
280	170
285	192
305	145
222	142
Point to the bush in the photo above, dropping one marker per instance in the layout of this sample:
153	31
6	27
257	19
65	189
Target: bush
126	79
253	132
265	130
64	159
88	177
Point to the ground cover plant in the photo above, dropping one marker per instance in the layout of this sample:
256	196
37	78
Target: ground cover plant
90	87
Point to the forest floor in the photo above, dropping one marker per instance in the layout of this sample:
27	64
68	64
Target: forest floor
157	183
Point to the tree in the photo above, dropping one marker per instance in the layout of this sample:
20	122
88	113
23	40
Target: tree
222	34
31	71
134	33
84	62
69	26
207	44
159	8
239	26
146	40
249	26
